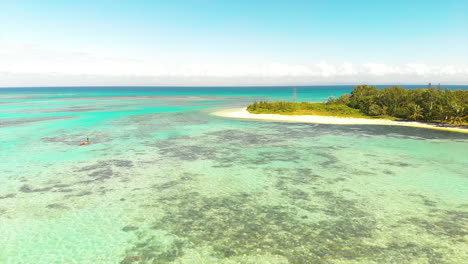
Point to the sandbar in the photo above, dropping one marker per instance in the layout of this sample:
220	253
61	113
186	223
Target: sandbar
242	113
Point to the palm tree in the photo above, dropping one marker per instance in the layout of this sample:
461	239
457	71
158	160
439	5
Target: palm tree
456	113
416	111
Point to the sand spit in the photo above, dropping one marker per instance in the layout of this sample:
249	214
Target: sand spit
244	114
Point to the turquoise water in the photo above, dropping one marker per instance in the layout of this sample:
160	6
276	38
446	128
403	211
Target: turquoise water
165	181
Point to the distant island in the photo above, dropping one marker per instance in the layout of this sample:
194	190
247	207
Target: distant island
431	105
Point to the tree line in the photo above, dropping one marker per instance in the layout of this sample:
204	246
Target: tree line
303	108
429	105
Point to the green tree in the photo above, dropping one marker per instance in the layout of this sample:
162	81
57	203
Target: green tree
415	111
375	110
395	100
362	97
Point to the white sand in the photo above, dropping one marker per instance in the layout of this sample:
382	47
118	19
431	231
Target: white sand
244	114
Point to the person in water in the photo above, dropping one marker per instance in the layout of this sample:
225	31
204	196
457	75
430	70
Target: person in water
85	142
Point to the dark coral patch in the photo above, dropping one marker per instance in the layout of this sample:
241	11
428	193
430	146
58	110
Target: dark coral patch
6	196
130	228
28	189
451	224
239	226
56	206
80	194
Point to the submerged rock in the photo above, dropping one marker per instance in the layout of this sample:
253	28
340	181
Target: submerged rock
28	189
130	259
56	206
129	228
10	195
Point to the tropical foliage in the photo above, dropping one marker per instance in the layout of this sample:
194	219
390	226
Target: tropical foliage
303	108
429	105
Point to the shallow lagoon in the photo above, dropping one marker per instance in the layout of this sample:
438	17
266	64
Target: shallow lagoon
166	182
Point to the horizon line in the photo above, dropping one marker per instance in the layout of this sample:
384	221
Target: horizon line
227	86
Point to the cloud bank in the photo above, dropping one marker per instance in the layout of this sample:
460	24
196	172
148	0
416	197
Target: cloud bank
36	67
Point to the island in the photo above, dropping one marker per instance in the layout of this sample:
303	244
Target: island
427	108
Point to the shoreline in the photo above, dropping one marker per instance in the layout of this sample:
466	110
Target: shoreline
242	113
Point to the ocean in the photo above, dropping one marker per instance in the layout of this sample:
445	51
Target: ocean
165	181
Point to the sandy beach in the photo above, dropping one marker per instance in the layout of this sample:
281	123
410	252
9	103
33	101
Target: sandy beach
244	114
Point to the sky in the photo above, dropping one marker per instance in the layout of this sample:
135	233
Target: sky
232	42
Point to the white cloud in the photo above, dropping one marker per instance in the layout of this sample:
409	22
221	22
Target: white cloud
418	68
380	69
326	69
28	65
348	69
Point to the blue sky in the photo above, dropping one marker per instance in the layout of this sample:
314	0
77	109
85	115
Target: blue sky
221	42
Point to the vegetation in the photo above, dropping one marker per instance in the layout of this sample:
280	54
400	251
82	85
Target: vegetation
429	105
304	108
